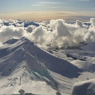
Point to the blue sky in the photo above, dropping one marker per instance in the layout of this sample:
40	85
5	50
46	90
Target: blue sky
78	8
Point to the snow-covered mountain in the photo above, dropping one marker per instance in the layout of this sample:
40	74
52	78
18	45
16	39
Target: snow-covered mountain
23	62
46	57
24	65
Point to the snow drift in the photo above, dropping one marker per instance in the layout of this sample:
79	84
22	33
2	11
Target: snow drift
84	88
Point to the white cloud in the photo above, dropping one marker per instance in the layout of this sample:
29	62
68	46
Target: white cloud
48	4
56	33
1	44
38	5
51	3
63	34
84	0
8	32
30	28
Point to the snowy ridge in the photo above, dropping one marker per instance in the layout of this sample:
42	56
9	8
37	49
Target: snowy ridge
23	62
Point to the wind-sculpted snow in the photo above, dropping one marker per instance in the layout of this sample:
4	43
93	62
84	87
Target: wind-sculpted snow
84	88
53	34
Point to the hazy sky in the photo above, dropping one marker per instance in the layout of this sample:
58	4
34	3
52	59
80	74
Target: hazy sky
47	9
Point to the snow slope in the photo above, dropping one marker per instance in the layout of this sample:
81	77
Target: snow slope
23	63
84	60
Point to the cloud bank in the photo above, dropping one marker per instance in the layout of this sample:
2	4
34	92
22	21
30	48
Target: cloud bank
59	34
7	32
53	34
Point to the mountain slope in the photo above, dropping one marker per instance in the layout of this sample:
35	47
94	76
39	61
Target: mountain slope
23	60
35	56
